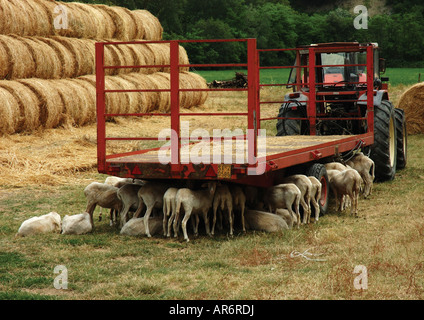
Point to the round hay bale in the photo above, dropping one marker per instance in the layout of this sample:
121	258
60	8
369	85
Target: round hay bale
25	16
44	21
28	105
412	102
49	102
65	56
21	63
9	109
88	94
152	28
125	28
47	62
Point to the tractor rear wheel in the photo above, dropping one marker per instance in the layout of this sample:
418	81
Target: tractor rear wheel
384	149
401	137
318	171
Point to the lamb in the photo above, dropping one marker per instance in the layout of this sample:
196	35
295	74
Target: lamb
347	183
194	201
305	187
151	197
136	227
315	195
365	167
223	200
239	202
50	222
265	221
77	224
283	196
287	216
335	166
169	205
103	195
128	194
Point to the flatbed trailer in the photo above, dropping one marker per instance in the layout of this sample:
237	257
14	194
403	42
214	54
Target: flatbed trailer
261	167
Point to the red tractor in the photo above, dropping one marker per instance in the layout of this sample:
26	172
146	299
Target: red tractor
333	77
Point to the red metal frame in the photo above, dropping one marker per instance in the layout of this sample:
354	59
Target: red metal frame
124	165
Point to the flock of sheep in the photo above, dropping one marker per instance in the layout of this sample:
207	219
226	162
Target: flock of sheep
159	207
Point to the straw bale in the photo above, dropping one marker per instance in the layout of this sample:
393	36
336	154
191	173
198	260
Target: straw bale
152	28
65	56
37	18
49	102
412	102
88	93
125	27
9	109
47	62
28	105
20	62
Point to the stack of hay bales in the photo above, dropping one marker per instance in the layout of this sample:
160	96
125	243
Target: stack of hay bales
47	75
412	102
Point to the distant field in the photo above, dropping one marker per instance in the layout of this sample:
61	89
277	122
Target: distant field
397	76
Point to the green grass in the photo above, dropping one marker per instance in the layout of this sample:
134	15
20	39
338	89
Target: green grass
397	76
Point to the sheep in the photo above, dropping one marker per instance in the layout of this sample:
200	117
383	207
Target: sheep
150	196
194	201
118	182
169	204
128	194
265	221
365	167
347	183
335	166
283	196
103	195
136	227
287	216
239	202
223	199
315	195
305	187
77	224
50	222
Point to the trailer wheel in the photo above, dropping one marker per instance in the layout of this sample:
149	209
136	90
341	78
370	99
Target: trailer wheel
318	171
383	151
401	137
289	127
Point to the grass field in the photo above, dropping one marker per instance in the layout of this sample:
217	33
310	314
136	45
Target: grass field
397	76
48	171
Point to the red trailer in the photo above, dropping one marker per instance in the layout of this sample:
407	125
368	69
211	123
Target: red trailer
319	121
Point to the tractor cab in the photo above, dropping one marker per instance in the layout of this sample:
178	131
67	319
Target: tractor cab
338	65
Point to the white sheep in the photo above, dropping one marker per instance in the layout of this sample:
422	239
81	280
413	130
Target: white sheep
315	195
77	224
283	196
305	187
224	201
103	195
169	206
347	183
194	202
50	222
265	221
151	197
287	216
239	202
128	194
136	227
366	168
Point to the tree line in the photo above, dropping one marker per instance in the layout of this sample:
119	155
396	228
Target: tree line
285	24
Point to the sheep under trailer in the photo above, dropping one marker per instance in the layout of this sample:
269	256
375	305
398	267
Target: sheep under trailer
340	83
